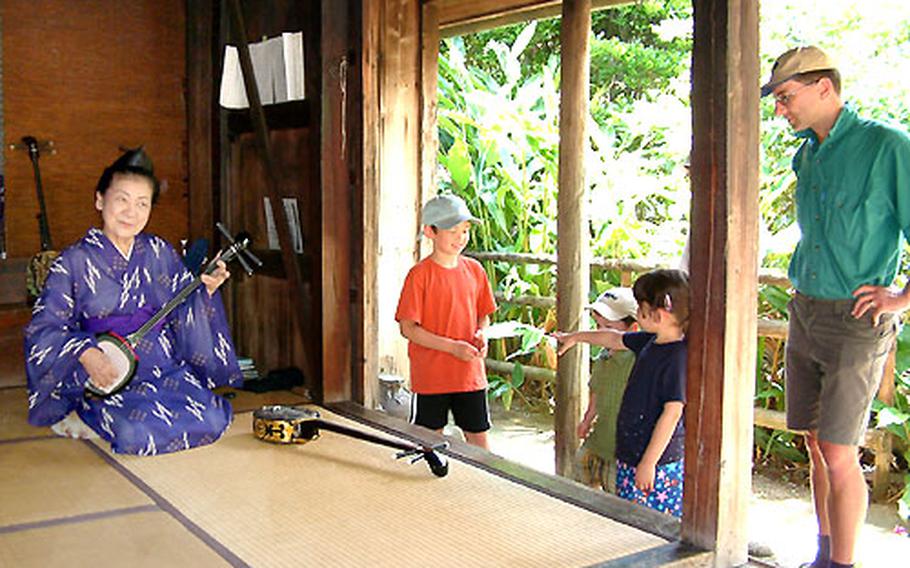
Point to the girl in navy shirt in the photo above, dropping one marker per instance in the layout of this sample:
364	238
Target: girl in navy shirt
649	429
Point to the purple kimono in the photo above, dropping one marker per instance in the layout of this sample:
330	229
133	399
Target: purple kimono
169	405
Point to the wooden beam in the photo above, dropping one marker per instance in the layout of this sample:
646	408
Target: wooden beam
368	218
505	369
573	265
399	164
201	106
429	89
460	17
765	275
723	278
336	204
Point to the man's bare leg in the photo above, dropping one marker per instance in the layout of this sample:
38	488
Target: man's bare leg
819	481
820	488
847	498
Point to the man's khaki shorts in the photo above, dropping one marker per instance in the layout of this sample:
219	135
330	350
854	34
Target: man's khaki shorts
834	367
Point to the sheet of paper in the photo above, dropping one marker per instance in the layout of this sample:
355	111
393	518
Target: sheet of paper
261	53
271	231
277	65
233	93
293	216
293	57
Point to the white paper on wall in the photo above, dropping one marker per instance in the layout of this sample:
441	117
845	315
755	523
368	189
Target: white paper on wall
277	65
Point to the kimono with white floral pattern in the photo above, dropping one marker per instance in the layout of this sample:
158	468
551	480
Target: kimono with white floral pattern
169	405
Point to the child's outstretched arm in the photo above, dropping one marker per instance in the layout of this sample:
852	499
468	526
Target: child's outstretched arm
660	437
413	331
609	338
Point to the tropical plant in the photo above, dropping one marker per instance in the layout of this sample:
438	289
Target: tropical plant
499	142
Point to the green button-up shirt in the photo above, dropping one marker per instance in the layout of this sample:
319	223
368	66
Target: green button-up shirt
852	204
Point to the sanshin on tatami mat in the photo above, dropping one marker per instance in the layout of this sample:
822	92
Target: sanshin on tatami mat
341	501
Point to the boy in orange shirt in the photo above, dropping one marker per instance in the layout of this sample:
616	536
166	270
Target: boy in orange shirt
445	305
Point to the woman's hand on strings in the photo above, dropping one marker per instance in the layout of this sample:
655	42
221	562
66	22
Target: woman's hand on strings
216	278
101	371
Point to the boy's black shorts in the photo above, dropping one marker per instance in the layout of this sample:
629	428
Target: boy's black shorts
470	409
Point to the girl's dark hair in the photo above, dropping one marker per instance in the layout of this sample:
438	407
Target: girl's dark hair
667	289
132	163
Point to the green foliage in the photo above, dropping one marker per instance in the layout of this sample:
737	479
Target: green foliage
896	417
498	121
529	336
784	445
498	150
505	388
635	50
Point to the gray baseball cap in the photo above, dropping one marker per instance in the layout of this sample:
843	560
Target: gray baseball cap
445	211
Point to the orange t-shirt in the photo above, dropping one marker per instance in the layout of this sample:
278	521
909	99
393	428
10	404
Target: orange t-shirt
448	302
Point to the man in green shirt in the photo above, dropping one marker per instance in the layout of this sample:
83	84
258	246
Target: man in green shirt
853	208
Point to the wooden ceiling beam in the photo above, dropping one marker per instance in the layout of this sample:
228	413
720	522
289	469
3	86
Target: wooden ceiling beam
460	17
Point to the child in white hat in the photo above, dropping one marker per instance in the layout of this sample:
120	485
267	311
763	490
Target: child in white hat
614	309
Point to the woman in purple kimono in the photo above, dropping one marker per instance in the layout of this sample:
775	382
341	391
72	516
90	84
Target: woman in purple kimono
115	279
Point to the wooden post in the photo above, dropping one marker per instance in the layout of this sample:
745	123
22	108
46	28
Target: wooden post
336	143
573	263
724	277
200	116
398	166
429	87
371	22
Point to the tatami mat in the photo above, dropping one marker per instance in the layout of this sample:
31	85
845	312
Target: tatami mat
57	478
14	408
338	501
14	416
147	538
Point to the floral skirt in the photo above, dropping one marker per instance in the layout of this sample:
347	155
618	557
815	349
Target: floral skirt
667	494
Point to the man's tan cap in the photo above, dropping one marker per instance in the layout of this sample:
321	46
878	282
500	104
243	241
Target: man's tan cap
795	62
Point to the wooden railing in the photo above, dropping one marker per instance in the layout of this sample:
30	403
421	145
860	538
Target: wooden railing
877	441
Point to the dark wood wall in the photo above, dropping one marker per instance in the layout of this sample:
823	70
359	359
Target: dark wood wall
266	324
273	324
91	76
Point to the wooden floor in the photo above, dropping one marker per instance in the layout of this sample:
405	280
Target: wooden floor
333	502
